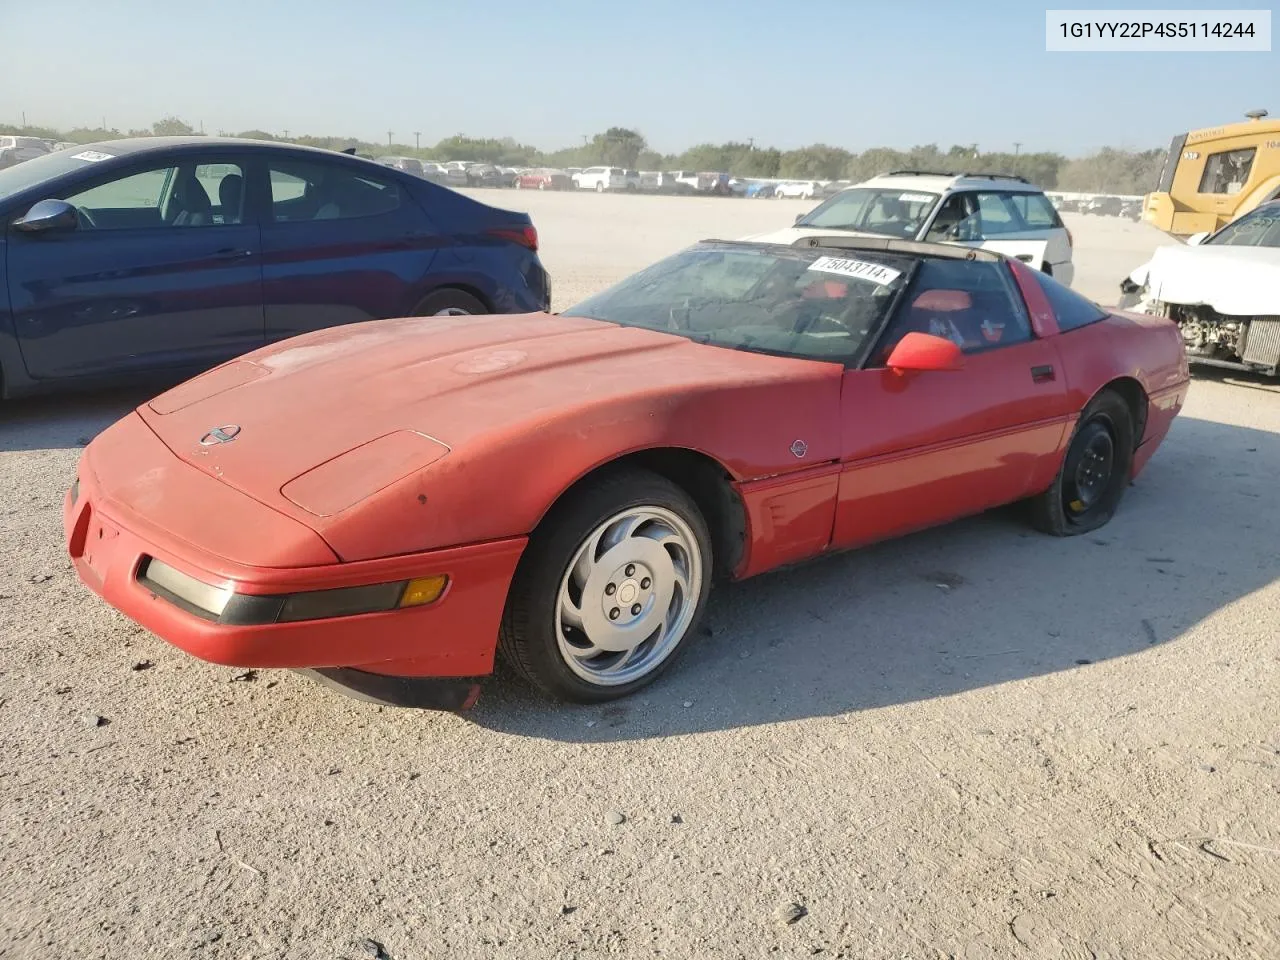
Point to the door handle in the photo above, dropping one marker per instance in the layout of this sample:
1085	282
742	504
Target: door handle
232	253
1043	374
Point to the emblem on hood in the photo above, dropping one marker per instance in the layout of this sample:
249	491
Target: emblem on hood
799	448
224	434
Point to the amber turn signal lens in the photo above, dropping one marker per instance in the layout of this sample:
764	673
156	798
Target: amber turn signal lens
423	590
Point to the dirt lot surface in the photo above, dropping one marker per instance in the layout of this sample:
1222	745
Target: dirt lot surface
975	742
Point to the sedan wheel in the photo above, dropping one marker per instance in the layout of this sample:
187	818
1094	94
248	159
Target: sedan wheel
612	584
449	303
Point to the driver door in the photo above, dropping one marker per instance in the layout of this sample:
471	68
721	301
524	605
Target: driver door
164	270
925	447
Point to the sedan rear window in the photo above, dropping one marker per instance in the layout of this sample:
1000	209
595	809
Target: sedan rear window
803	303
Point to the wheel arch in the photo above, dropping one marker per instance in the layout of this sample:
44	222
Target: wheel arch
1135	397
450	286
703	478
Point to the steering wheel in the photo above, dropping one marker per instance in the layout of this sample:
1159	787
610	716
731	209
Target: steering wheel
83	219
806	319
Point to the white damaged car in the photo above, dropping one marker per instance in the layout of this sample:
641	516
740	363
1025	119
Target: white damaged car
1223	291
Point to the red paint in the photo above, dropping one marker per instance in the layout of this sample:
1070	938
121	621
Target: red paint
422	446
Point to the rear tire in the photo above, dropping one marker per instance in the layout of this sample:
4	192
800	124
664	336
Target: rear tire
1095	471
449	303
611	587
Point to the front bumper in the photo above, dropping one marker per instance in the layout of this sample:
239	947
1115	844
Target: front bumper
455	636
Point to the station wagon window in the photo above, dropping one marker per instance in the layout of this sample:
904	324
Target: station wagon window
997	215
184	195
1035	210
1227	172
302	190
972	303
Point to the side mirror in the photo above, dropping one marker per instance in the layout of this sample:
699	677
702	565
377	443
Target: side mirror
1197	238
923	351
48	216
799	217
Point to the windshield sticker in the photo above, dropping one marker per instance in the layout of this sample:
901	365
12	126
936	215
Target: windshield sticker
915	197
93	156
858	269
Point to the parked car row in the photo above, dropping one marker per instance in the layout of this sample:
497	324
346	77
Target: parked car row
1102	206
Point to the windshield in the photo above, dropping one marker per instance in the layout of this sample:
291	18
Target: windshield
1261	228
894	213
15	179
801	303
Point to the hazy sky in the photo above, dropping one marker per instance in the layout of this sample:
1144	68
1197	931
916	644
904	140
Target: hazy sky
851	73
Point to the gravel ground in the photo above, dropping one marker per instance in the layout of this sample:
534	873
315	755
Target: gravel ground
973	742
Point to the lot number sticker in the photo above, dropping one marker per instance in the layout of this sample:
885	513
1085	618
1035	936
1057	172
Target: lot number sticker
915	197
858	269
93	156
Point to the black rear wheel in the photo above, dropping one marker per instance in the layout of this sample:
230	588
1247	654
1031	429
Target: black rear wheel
1094	473
449	303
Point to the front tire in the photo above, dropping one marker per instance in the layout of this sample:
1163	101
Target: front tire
1094	473
613	583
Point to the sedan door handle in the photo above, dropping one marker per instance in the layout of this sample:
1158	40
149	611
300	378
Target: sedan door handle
232	253
1042	374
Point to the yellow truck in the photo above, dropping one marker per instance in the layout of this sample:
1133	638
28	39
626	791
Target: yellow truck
1212	176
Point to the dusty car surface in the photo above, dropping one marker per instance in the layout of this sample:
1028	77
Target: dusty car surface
565	488
1222	290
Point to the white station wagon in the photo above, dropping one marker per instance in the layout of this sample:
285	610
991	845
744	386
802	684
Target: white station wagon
1005	214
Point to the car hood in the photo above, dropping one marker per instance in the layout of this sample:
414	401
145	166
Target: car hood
318	423
1235	281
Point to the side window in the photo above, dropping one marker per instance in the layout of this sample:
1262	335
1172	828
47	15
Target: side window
185	195
1035	210
972	303
303	190
1227	172
997	215
1071	309
954	219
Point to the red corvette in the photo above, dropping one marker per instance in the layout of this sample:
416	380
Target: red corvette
386	505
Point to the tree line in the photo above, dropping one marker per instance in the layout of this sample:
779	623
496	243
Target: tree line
1109	170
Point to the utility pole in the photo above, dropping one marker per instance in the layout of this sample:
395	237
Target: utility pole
417	140
286	133
389	132
1016	147
751	143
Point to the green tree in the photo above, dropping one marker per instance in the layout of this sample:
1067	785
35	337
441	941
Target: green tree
172	127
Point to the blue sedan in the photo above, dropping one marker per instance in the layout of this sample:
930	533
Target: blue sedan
172	255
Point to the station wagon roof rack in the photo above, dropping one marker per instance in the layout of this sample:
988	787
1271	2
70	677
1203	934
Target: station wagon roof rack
955	173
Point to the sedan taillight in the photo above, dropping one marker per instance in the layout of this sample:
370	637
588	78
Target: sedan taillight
526	236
